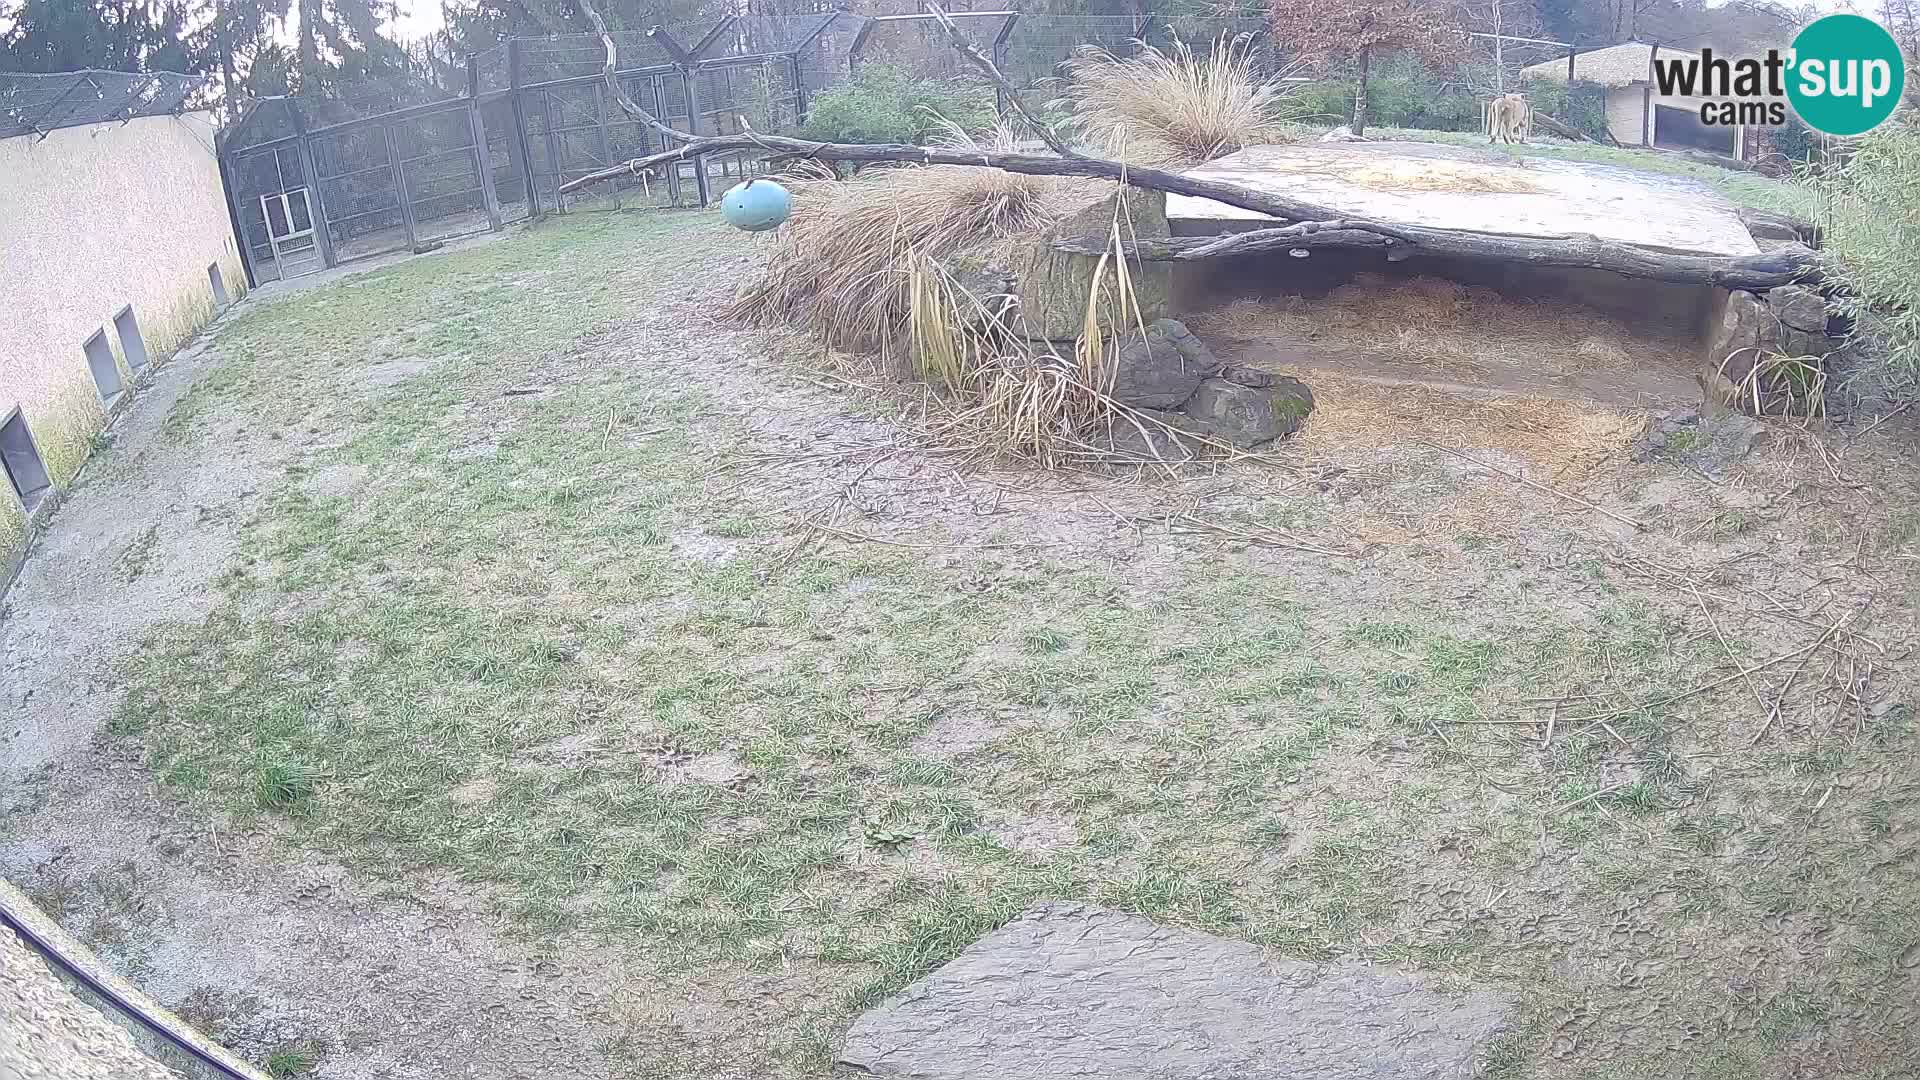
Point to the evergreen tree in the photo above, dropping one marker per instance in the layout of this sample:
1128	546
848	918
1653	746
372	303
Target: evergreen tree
115	35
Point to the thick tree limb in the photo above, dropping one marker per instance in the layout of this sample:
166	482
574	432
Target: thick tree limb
1782	267
978	59
1310	225
1555	127
608	72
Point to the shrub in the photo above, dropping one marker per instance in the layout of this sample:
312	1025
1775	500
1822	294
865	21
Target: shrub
1580	105
1174	106
1402	92
1870	211
882	103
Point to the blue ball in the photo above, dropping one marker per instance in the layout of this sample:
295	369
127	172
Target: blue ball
756	205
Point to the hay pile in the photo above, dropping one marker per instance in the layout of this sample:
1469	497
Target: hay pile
1454	328
841	263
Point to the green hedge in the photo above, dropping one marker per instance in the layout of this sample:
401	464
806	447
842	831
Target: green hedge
883	103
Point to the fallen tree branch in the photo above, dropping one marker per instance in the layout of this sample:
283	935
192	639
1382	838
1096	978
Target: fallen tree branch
609	73
1555	127
978	59
1331	227
1764	271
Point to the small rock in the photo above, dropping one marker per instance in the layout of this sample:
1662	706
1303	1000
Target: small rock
1162	369
1247	416
1798	307
1246	376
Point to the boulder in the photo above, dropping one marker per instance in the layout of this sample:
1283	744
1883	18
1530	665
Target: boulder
1246	376
1798	307
1795	342
1745	323
1247	416
1053	285
1162	369
1343	133
1155	436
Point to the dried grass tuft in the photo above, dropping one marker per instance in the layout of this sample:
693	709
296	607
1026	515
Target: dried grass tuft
1172	107
840	266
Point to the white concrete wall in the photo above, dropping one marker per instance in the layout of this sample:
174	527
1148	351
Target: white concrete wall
1625	114
93	219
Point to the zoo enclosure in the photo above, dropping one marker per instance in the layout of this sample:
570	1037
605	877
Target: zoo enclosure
312	183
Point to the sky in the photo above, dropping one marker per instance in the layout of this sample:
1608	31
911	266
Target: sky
418	18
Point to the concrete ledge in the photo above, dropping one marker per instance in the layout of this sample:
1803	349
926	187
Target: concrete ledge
85	986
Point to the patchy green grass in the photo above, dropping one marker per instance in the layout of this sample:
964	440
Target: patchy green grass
533	667
293	1060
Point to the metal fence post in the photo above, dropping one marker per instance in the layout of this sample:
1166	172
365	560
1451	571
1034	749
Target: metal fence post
225	162
483	168
606	144
553	151
517	148
799	91
322	232
1000	59
702	187
400	184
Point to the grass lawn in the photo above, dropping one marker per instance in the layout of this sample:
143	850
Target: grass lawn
538	608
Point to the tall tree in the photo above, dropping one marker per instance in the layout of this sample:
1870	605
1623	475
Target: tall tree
114	35
339	43
1326	31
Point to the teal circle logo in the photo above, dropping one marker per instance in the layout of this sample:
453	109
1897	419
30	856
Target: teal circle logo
1846	75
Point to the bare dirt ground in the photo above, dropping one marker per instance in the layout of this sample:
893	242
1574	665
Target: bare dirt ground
490	666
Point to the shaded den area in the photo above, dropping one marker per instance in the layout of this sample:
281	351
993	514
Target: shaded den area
1454	324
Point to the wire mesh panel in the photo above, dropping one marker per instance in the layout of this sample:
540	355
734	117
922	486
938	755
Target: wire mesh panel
441	173
359	189
39	104
918	45
277	212
577	127
509	186
825	60
1038	45
567	56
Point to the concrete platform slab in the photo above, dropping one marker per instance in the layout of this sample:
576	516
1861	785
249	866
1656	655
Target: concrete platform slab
1458	187
1070	990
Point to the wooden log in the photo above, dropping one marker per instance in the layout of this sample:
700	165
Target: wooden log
1785	266
1332	228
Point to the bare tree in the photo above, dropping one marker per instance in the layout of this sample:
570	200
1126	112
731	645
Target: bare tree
1501	20
1320	31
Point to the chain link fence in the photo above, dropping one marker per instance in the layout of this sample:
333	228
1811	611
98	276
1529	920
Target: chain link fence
317	182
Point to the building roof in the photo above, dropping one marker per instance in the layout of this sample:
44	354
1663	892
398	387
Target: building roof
38	104
1614	66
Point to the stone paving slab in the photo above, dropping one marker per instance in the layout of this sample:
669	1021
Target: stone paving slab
1070	990
1457	187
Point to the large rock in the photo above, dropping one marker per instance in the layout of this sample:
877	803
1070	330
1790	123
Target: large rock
1745	323
1074	991
1053	285
1162	369
1247	416
1153	435
1798	307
